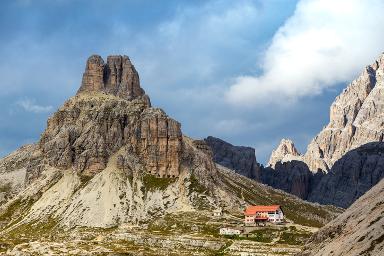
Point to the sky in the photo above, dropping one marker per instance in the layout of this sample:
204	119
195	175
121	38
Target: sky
249	71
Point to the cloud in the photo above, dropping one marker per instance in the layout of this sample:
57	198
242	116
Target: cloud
323	43
30	106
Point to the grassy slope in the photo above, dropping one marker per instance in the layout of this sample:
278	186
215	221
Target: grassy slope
295	209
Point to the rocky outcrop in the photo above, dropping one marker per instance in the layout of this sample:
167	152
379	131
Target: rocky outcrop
92	126
357	231
286	151
238	158
160	143
117	77
351	176
356	118
293	177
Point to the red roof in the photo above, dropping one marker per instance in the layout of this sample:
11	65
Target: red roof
251	210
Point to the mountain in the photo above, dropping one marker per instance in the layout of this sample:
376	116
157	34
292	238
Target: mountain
356	118
341	163
238	158
351	176
348	179
112	170
292	176
357	231
343	149
285	152
99	150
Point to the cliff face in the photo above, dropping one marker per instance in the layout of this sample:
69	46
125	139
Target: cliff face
356	118
108	157
357	231
240	159
110	111
343	149
292	176
117	77
351	176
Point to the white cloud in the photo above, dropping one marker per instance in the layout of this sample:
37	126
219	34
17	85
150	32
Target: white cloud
30	106
325	42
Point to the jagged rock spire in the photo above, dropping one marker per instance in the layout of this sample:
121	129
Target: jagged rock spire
116	77
286	151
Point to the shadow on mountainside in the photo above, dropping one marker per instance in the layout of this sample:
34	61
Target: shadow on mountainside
349	178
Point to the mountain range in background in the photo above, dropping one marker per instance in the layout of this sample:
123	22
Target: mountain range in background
342	162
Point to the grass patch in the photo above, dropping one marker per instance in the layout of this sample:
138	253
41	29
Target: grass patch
263	236
84	179
152	182
195	185
27	232
33	229
293	238
15	210
184	223
5	188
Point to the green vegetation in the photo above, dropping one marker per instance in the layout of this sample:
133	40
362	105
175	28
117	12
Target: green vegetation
195	186
263	235
152	182
31	229
5	187
15	211
293	238
184	223
221	252
285	235
26	232
199	200
84	179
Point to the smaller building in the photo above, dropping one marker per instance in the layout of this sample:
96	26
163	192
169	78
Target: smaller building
230	231
260	214
218	212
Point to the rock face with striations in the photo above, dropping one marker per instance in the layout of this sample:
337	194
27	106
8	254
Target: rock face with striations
351	176
238	158
344	148
356	118
107	157
357	231
117	77
292	176
87	130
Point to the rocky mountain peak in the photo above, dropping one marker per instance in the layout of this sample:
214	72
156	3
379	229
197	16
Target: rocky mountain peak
286	151
117	77
239	158
356	118
92	127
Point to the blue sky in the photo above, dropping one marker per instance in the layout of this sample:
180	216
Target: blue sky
250	72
